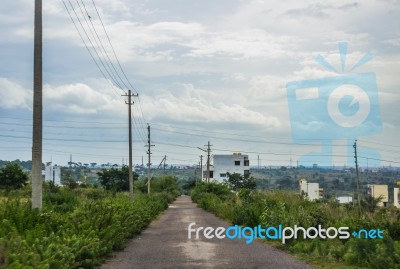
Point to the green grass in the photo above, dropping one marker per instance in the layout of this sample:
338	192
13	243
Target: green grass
288	209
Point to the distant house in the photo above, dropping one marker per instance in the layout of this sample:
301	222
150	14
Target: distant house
344	199
396	198
224	164
53	174
311	191
378	191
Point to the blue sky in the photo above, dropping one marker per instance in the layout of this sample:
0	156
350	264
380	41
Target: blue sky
204	70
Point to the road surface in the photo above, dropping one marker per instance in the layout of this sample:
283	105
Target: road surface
165	244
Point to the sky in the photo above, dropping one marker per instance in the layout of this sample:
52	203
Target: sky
204	71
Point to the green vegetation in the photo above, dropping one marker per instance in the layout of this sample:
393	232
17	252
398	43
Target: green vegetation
12	177
272	208
238	182
116	179
77	228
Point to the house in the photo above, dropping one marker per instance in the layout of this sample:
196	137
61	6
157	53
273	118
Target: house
224	164
53	174
344	199
378	191
311	191
396	198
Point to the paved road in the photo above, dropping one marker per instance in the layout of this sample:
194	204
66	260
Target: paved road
165	244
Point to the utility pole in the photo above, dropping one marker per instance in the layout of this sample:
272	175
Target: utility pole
208	162
165	159
149	145
357	176
37	132
258	162
201	168
130	173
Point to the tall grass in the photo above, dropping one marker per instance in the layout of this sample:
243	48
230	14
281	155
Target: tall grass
288	209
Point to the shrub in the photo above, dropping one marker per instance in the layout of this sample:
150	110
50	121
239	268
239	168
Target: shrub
75	229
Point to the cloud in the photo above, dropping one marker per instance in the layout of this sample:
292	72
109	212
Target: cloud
13	95
82	99
71	99
190	109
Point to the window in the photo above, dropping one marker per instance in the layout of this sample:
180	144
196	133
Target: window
237	162
246	173
211	174
222	175
246	163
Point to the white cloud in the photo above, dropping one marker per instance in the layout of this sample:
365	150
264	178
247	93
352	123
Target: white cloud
81	99
77	99
192	110
13	95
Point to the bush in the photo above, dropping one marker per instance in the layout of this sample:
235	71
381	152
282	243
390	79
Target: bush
12	177
249	208
75	229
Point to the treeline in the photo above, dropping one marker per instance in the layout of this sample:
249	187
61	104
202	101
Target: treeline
24	164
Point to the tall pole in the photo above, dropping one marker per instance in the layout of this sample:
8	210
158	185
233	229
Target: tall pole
149	145
130	172
37	132
208	162
357	176
201	168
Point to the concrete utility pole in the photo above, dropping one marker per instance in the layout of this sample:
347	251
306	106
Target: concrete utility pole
37	132
357	175
201	167
149	145
130	103
208	162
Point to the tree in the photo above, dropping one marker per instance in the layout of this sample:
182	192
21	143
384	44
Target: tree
12	177
370	203
238	182
116	179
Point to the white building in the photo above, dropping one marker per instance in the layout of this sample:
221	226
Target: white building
344	199
224	164
53	173
310	190
396	198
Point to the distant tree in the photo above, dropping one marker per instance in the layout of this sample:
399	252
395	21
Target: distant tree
12	176
165	184
116	179
71	184
286	182
371	203
238	181
189	184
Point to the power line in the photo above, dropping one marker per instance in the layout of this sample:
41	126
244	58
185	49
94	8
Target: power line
112	47
84	42
102	46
